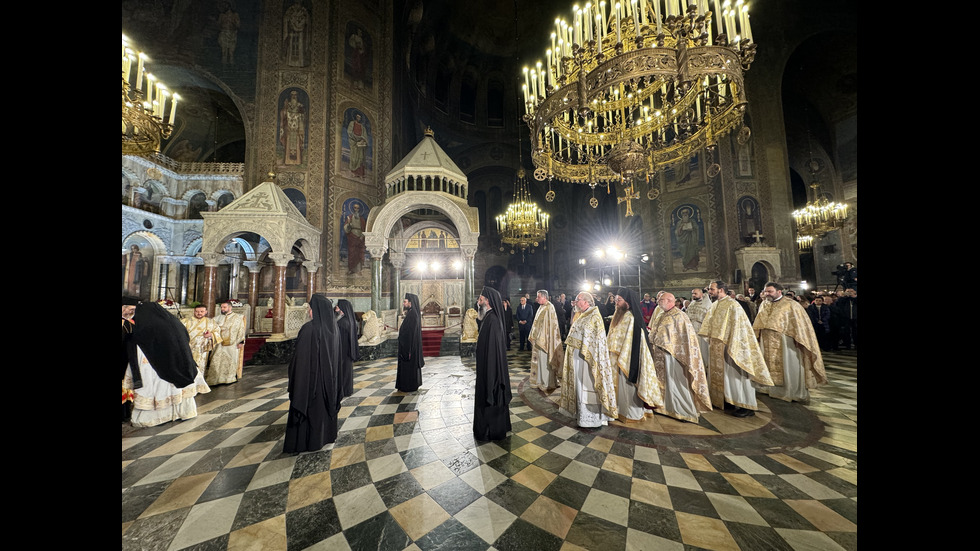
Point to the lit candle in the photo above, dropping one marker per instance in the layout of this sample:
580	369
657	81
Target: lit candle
127	66
746	26
139	71
149	88
619	31
534	86
717	16
602	14
636	20
173	108
551	78
527	83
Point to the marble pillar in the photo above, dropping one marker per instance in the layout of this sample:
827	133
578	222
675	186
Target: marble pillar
376	255
279	296
210	277
397	263
311	269
253	290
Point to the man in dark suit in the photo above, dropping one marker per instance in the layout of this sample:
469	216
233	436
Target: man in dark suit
560	316
820	318
525	316
508	321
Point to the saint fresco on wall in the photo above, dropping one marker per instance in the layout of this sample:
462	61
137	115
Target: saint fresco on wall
686	238
358	56
353	220
356	144
749	219
296	33
292	132
137	259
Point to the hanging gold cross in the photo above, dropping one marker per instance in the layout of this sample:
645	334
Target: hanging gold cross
630	195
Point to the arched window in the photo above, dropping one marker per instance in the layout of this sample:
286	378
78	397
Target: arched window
495	103
467	99
197	205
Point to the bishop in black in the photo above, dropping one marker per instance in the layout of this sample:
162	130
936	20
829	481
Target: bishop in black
410	361
313	397
349	352
491	404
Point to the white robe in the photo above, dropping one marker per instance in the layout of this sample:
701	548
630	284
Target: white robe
159	401
590	412
794	380
545	379
678	399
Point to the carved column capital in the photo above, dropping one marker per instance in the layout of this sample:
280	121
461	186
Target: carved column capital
211	259
280	259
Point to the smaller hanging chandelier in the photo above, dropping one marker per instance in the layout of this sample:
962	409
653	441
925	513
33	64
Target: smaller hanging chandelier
144	102
818	218
523	225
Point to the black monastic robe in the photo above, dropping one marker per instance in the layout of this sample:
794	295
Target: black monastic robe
410	362
491	404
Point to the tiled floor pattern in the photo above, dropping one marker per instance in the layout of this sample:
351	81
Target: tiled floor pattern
406	473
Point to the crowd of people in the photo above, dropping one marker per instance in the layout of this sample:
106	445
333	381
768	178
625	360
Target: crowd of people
620	357
613	358
157	385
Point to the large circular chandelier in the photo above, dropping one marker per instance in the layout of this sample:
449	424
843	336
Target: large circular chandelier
818	218
634	85
144	102
523	225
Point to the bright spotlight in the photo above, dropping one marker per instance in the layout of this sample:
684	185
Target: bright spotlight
420	266
582	261
599	253
607	282
596	287
585	286
804	285
457	264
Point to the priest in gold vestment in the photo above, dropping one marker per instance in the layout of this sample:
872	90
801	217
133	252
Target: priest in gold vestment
735	360
636	377
203	333
226	360
588	393
680	368
789	345
547	352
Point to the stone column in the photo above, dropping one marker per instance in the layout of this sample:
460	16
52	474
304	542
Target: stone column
279	297
210	276
253	290
468	293
311	270
397	263
376	255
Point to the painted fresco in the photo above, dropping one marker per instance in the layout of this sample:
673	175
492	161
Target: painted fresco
687	239
358	56
357	145
292	130
353	255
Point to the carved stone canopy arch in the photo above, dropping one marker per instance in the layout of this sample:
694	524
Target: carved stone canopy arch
267	211
381	220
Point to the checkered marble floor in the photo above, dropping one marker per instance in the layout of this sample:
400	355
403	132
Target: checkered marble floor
406	473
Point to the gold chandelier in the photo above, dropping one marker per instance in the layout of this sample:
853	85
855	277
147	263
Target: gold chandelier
635	85
523	225
143	110
818	218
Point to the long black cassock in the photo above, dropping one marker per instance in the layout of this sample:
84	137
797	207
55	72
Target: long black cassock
491	404
349	351
410	361
313	400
